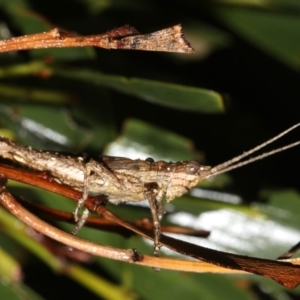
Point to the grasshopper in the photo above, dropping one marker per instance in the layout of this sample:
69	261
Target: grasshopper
126	180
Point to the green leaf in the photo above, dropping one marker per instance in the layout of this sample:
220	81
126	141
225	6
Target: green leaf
278	34
10	268
165	285
34	95
52	128
140	140
16	291
96	6
267	4
205	40
16	229
166	94
283	205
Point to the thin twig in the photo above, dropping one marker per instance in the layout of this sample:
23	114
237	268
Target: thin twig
31	220
104	224
126	37
104	251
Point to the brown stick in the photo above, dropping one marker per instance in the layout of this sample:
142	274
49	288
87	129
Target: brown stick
15	208
104	224
114	253
126	37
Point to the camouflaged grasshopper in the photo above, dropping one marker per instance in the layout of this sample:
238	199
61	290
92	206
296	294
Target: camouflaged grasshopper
126	180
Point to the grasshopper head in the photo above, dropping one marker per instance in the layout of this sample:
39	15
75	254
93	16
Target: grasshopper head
185	175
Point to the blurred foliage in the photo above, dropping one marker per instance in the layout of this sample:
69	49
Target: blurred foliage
240	88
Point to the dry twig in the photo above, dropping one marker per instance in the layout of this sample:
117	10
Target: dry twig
126	37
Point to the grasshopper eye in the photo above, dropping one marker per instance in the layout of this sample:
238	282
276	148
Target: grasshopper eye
192	167
150	160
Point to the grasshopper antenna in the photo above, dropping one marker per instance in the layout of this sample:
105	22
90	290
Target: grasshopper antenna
230	164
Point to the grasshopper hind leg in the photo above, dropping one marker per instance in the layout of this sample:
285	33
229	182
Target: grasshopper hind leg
85	190
80	221
157	211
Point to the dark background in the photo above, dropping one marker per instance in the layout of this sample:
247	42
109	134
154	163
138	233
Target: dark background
261	92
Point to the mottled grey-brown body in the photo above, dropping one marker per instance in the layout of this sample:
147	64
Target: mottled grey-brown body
121	179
